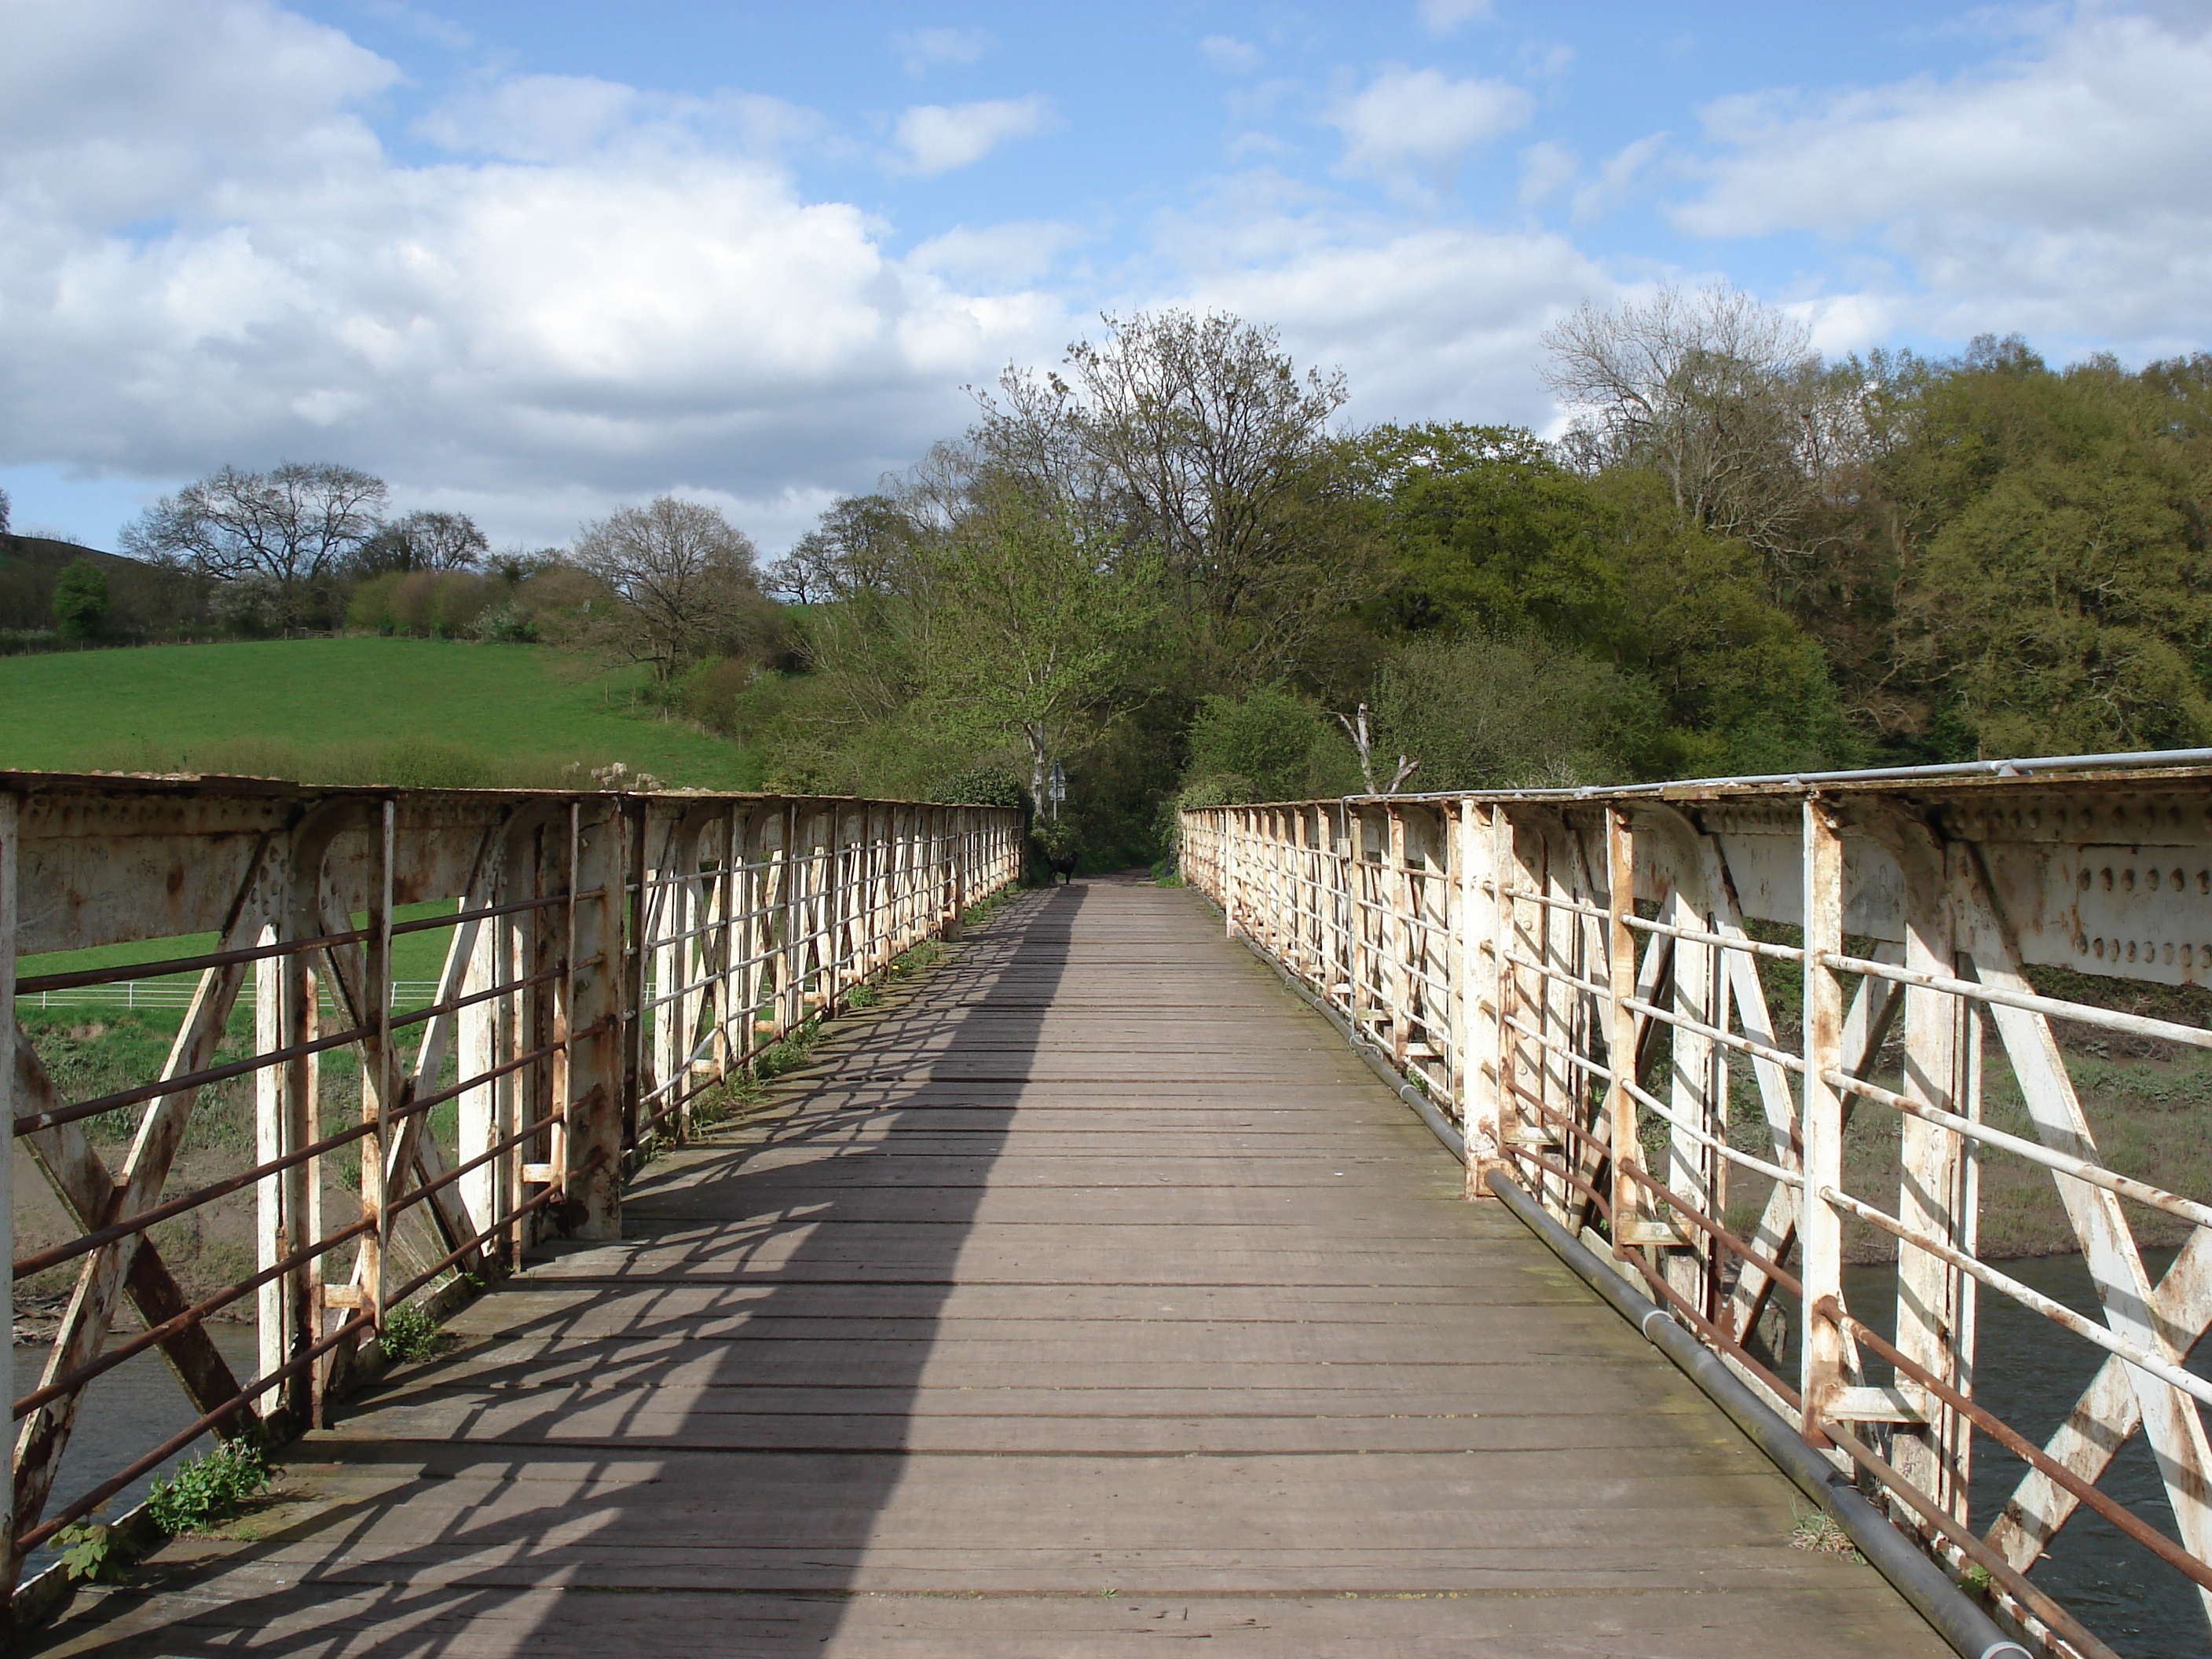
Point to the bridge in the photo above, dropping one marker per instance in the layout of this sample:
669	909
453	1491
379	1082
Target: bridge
840	1249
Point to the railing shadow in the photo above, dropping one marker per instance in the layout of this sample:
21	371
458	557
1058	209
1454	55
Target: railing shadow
721	1404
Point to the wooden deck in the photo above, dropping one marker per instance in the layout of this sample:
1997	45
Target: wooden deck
1091	1297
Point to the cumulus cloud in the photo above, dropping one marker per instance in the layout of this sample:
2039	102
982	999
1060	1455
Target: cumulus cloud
1441	323
206	257
935	138
1422	119
922	49
2058	190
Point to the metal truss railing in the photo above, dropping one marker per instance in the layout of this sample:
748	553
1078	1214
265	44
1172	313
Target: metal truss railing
606	959
1573	978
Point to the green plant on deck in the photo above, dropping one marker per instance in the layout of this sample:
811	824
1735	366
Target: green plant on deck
863	996
208	1489
409	1333
88	1553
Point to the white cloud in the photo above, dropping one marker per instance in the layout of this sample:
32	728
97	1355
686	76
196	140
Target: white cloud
1433	325
2058	191
1617	176
1227	52
1420	118
938	138
1443	16
922	49
206	257
992	258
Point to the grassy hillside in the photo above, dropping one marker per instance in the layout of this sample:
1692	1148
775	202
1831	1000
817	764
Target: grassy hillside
345	710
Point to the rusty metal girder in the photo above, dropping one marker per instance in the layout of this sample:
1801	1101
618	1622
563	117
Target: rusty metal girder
542	1002
1963	881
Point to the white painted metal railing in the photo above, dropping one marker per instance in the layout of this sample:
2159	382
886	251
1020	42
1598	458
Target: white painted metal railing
607	959
1571	979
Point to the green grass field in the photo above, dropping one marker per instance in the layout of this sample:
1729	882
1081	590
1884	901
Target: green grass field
345	711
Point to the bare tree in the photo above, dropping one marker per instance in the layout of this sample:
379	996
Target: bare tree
862	543
1723	396
424	541
1195	435
287	529
684	578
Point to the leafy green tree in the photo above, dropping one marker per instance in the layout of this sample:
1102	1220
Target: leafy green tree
1495	712
1269	745
1485	528
2058	585
1030	630
1195	437
80	600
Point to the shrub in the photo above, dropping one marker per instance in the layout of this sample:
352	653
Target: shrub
981	785
1276	743
207	1489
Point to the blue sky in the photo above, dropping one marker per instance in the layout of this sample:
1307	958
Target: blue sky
533	260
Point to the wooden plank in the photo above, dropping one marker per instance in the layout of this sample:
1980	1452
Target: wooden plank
1096	1263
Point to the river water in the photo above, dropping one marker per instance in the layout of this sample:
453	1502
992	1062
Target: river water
126	1412
2029	1374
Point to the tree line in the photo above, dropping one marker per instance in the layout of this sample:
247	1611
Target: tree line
1170	567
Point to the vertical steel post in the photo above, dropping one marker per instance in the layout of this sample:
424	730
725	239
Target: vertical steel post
1480	936
1820	1229
380	1073
1620	1024
591	999
11	840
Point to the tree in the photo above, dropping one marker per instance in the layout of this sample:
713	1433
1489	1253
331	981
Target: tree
1268	744
1196	436
5	521
290	528
861	546
1483	527
2058	593
683	579
1030	630
1494	712
423	541
1724	397
80	599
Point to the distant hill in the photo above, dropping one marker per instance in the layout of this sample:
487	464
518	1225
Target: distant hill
143	599
354	710
44	553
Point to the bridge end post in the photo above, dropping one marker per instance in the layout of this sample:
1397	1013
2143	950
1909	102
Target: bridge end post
597	1075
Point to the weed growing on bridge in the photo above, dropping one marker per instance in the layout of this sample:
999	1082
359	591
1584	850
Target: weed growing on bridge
87	1552
409	1333
1817	1531
208	1489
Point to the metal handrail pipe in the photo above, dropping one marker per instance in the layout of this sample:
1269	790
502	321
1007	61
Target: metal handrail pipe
69	1382
2111	1019
30	1123
2020	1446
2057	1312
2066	1164
1970	1632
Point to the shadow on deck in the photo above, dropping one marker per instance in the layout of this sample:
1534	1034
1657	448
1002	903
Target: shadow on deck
1093	1296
